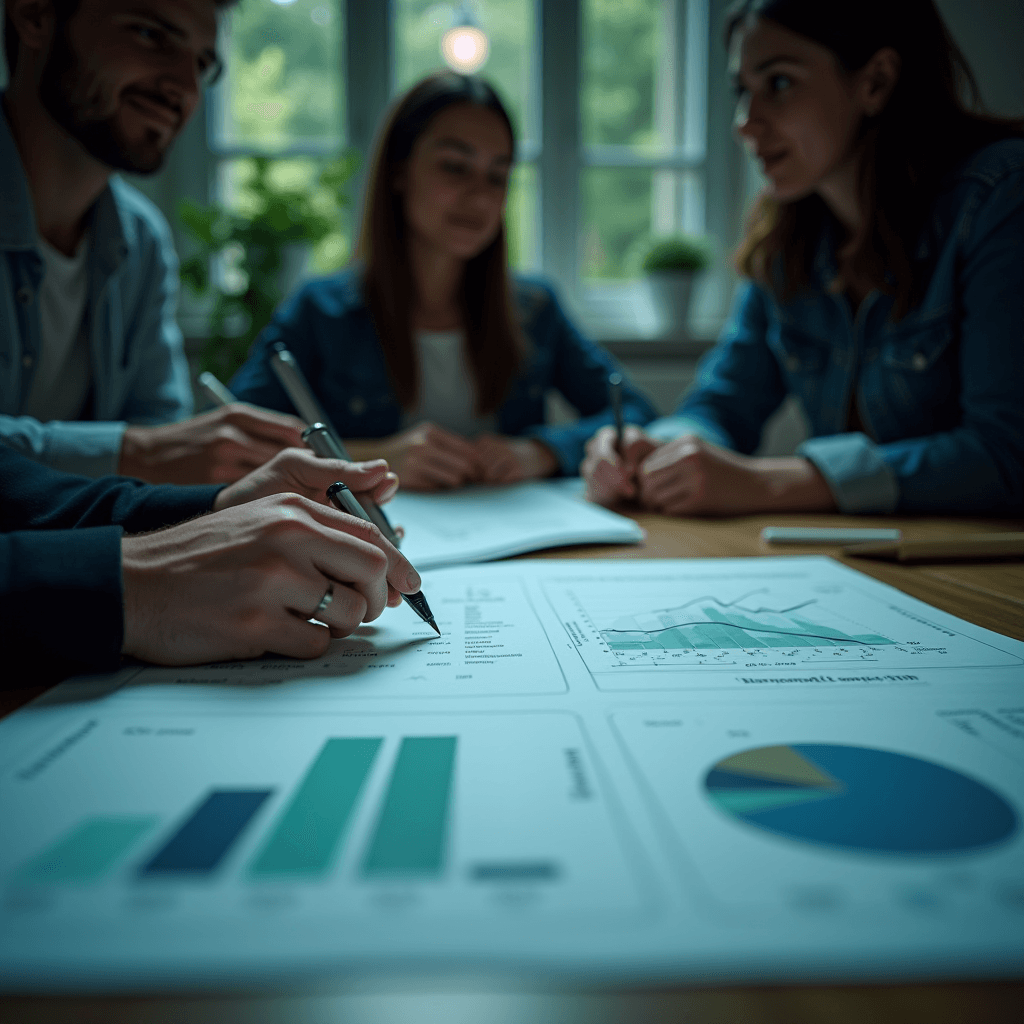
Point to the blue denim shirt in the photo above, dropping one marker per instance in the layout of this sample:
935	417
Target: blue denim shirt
139	370
941	392
328	329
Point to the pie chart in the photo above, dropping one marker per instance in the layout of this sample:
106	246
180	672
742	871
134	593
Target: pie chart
860	798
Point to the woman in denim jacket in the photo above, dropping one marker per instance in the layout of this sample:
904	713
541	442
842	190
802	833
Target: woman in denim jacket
886	284
429	353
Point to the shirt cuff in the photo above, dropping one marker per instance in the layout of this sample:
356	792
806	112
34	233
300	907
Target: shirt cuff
668	428
858	477
89	449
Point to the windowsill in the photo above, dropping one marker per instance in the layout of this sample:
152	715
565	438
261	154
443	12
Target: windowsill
620	317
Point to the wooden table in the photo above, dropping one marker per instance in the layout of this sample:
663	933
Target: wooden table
988	594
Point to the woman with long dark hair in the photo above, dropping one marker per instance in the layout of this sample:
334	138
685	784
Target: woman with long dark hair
885	266
427	352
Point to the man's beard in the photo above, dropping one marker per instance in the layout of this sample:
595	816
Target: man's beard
59	88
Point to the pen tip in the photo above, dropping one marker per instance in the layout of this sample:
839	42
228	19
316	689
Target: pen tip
434	624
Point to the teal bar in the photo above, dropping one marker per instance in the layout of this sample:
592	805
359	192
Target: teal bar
702	639
674	640
89	850
413	824
306	837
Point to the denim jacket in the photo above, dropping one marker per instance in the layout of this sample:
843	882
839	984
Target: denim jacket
139	370
941	392
328	329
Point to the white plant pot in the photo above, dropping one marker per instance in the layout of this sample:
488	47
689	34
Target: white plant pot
670	292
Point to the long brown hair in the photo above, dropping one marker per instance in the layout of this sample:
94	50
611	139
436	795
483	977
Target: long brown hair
923	132
493	340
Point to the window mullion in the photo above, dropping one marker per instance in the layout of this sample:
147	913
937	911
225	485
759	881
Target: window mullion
560	57
367	71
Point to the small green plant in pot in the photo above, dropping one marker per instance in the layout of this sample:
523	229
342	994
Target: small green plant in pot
671	265
258	254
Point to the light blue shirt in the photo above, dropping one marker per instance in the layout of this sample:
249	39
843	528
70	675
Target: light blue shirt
139	371
940	392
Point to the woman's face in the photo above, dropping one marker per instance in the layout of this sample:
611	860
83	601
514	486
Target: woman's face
456	179
799	111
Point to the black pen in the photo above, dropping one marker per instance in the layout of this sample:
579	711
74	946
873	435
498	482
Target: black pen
615	397
345	501
326	446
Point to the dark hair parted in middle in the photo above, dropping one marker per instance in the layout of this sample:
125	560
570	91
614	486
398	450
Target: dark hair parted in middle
493	339
922	133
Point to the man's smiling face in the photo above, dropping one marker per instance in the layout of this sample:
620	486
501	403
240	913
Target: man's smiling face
124	76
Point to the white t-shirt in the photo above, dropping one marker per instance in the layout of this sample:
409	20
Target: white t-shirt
60	387
447	390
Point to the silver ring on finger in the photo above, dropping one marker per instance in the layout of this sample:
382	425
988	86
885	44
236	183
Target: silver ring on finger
325	602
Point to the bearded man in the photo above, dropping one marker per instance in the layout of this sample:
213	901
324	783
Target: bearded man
91	358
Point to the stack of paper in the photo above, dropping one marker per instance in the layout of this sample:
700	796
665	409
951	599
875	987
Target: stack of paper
480	524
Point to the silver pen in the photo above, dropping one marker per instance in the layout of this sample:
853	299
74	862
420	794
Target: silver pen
214	390
345	501
292	379
327	446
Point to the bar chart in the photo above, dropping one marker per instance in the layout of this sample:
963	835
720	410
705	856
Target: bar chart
336	813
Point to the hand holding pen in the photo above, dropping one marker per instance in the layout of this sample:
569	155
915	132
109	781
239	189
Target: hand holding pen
614	454
345	501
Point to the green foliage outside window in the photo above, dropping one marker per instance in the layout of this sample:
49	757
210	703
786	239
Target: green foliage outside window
622	44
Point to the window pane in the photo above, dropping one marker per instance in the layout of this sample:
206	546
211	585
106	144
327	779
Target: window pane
521	219
299	177
628	95
511	30
283	84
626	208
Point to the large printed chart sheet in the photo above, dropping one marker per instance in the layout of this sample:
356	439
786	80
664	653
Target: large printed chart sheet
750	769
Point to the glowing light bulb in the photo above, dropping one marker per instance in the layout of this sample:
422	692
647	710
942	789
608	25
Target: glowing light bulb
465	48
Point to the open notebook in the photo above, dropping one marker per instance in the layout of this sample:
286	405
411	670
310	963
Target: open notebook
479	524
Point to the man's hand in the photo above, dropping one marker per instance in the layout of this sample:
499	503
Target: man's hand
217	447
610	476
427	457
299	471
507	460
690	476
244	581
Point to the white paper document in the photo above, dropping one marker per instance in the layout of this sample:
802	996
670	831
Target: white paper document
695	770
479	524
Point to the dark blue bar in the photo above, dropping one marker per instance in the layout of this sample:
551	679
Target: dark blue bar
207	834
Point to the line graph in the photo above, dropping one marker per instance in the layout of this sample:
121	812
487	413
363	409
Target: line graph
634	630
729	625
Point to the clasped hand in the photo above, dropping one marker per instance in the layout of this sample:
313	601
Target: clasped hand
427	457
246	579
691	476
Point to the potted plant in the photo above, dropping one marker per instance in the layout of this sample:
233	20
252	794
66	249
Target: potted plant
670	265
260	255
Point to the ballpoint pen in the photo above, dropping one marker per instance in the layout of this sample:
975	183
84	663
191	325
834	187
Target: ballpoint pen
292	379
327	446
214	390
345	501
615	397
